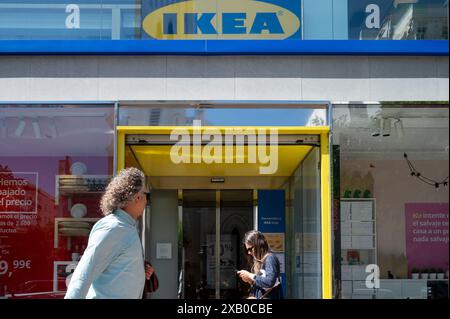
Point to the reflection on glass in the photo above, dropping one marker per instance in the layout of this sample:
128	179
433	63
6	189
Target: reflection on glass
54	163
70	20
398	20
236	218
391	187
169	116
199	229
245	20
304	230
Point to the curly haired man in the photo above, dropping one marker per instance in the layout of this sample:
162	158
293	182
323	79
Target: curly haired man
112	265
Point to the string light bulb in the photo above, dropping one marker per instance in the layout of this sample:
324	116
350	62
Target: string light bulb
415	173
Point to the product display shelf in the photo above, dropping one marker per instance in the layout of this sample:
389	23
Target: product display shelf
82	231
70	185
67	268
358	242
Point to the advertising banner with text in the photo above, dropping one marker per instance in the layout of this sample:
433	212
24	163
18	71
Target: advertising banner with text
427	235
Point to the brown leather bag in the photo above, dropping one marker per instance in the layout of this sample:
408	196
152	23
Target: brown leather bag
152	284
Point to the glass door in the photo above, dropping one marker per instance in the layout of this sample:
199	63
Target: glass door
199	235
236	218
305	275
214	223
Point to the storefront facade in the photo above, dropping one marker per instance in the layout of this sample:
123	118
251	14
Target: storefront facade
349	99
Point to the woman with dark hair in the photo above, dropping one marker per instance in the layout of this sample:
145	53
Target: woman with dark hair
264	277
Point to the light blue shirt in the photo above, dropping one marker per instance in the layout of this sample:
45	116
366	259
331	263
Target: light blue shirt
112	265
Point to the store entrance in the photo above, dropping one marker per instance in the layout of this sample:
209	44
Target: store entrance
214	223
200	208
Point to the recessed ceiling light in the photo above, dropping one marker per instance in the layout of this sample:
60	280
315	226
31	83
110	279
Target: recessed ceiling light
36	128
20	128
375	126
3	128
53	130
387	124
400	130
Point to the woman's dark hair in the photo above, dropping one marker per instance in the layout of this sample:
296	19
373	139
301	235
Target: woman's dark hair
261	249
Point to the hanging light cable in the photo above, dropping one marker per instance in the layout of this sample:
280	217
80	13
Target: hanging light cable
415	173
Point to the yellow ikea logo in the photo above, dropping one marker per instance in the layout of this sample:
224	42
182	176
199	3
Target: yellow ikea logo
221	19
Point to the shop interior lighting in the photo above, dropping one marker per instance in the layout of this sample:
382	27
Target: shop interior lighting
386	126
3	128
376	127
36	128
383	127
399	129
217	180
53	130
20	128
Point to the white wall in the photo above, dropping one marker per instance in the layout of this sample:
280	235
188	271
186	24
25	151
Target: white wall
335	78
393	188
162	227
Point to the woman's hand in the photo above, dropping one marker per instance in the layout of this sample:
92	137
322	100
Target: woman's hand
148	271
246	276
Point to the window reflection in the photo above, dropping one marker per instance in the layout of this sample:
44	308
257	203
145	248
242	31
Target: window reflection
54	163
398	20
125	20
170	116
388	216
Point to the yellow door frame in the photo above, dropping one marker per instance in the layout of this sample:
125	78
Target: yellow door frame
322	131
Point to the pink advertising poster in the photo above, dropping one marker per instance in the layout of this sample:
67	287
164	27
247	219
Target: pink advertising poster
427	235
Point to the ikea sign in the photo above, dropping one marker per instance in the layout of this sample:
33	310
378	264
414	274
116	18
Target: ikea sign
222	19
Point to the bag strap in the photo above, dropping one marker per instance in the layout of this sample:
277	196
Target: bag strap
269	290
278	280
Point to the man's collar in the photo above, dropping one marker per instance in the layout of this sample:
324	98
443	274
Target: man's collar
123	215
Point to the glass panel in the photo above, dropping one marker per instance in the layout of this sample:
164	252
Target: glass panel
398	20
236	218
179	116
199	237
54	163
223	19
394	165
70	20
305	231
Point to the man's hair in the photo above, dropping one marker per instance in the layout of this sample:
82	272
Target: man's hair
121	190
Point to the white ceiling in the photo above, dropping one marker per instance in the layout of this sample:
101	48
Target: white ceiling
425	133
77	134
91	134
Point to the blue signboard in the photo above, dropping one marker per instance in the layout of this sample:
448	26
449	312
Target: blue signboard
271	211
272	222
